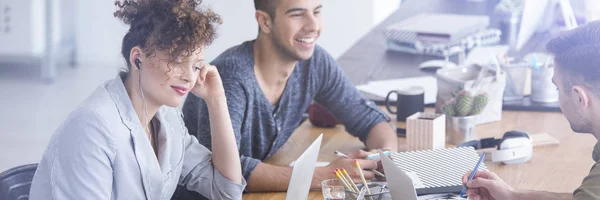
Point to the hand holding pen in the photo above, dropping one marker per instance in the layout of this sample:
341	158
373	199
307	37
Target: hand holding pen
486	185
366	156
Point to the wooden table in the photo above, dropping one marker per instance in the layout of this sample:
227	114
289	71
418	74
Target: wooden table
558	168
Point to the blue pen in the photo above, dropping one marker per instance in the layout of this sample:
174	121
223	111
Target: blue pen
464	190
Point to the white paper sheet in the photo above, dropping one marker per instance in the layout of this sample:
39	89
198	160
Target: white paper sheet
319	164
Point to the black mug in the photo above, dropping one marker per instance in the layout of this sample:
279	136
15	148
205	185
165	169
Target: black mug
408	102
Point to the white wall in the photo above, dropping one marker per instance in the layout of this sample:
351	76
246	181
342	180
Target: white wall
98	33
238	25
345	21
383	9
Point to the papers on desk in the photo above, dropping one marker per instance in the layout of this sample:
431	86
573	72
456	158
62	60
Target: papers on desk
383	87
438	33
484	55
436	27
319	164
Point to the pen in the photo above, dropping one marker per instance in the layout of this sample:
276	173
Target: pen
376	156
534	62
497	63
341	154
462	193
345	156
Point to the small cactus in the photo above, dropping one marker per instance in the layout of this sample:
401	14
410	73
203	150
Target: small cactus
449	109
463	103
479	103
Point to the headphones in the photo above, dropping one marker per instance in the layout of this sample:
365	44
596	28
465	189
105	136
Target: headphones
137	63
513	148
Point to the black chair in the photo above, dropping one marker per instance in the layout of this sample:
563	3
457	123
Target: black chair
182	193
15	182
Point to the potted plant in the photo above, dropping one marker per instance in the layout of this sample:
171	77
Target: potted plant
510	12
461	114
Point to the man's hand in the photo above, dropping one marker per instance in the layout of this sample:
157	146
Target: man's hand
487	186
359	154
350	166
327	172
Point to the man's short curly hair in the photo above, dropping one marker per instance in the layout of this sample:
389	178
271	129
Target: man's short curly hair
176	26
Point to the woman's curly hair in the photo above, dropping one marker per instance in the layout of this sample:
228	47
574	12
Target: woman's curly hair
176	26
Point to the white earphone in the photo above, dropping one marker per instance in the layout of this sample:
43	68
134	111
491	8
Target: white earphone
145	125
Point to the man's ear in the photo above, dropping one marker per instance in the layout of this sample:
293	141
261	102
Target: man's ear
582	94
264	21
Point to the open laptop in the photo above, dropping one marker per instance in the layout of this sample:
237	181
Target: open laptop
302	172
400	184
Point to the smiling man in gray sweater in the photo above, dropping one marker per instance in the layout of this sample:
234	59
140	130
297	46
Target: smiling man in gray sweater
271	81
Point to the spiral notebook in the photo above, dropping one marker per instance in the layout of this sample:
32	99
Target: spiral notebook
438	171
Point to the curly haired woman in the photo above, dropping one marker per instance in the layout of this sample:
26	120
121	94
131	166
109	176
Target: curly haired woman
127	140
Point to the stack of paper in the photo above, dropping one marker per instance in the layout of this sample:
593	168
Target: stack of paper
436	27
437	33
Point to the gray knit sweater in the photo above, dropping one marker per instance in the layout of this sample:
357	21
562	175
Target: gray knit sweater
262	128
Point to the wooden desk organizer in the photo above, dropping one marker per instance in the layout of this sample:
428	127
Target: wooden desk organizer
426	131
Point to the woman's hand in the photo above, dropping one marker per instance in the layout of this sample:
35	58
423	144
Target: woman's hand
209	84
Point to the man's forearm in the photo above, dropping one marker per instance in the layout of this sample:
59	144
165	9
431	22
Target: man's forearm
269	178
535	195
383	136
273	178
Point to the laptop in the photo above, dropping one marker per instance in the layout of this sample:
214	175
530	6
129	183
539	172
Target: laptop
302	172
400	184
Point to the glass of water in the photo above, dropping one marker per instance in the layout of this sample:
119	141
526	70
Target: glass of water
333	189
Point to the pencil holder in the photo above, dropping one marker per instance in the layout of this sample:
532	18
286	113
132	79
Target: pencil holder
379	191
542	88
516	77
426	131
